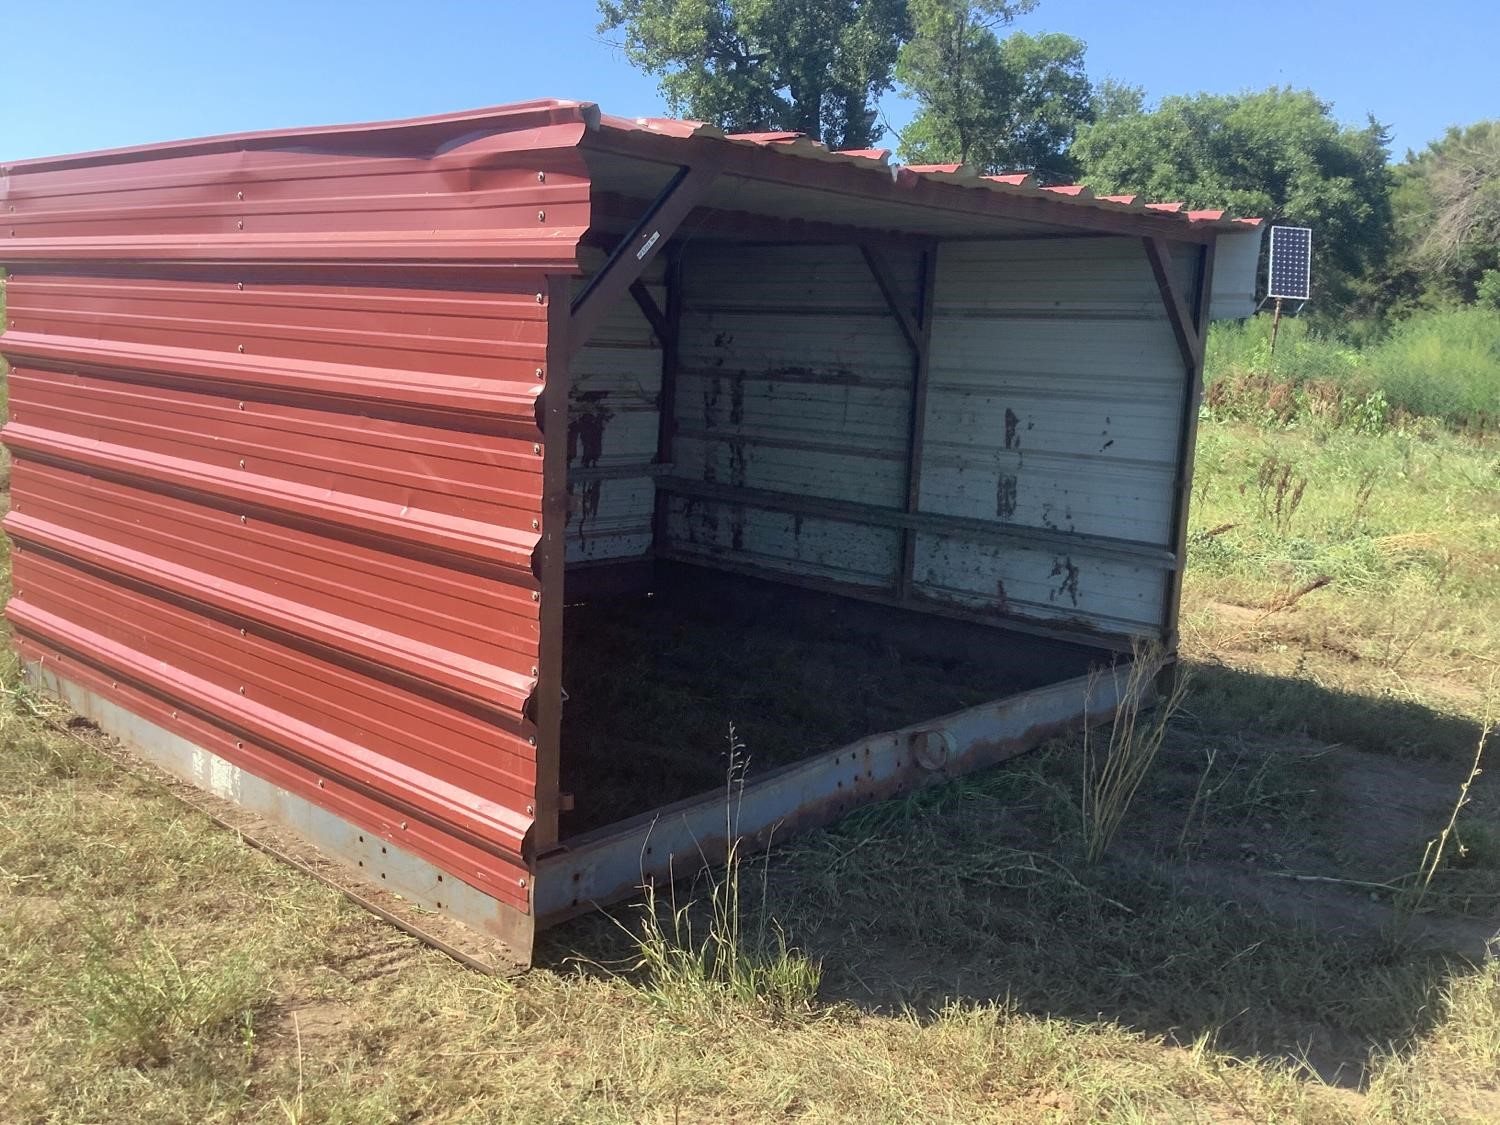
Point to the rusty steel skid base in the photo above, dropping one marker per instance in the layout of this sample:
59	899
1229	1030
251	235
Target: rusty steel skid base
374	872
607	864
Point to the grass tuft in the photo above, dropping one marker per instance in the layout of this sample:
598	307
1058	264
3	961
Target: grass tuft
1114	772
708	958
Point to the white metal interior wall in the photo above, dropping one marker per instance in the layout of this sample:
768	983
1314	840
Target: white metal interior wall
1054	402
613	419
794	380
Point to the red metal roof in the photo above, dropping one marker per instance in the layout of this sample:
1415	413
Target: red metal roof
464	138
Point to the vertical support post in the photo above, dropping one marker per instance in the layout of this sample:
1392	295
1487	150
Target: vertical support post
917	427
666	422
551	564
1275	325
1187	443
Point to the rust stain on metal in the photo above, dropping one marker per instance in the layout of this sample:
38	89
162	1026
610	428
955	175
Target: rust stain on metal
1062	567
1005	496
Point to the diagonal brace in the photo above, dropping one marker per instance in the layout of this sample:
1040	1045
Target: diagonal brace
1184	324
629	259
652	312
889	290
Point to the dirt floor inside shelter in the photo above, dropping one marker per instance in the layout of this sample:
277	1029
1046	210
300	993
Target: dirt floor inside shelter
655	682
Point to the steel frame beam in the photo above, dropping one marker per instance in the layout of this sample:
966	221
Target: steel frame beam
551	562
1190	325
1185	324
634	252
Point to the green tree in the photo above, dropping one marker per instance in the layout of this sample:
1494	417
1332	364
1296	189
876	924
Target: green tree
1009	104
1278	154
809	66
1447	211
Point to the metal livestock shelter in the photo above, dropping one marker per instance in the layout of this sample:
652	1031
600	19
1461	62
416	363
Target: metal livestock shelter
386	479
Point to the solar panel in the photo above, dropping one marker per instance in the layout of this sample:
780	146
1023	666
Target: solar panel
1291	263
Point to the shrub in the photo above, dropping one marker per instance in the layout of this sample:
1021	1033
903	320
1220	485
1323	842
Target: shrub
1441	364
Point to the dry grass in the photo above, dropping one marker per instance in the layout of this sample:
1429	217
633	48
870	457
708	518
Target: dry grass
973	966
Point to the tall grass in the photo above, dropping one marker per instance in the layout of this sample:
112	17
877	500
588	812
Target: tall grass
1443	365
1113	771
696	954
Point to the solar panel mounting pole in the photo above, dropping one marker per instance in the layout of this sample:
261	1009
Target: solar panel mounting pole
1275	324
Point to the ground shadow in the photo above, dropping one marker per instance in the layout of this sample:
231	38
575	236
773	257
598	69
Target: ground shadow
1200	921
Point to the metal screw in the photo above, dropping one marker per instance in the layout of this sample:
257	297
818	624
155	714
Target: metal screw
531	740
240	225
522	880
403	824
320	783
536	525
174	714
534	669
535	596
114	683
238	745
536	448
242	632
541	216
242	406
531	810
239	285
242	689
539	373
242	519
240	347
242	462
541	178
539	297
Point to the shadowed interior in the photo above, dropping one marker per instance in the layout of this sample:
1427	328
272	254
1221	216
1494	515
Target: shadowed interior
656	679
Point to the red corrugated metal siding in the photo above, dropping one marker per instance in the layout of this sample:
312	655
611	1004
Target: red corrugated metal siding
278	468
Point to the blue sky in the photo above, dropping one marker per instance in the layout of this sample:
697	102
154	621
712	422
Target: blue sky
85	75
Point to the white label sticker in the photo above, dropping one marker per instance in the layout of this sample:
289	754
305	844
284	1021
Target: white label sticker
646	249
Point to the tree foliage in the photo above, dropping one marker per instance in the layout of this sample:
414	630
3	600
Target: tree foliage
1277	153
1447	209
1009	104
809	66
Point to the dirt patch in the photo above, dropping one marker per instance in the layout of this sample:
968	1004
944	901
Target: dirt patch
654	683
